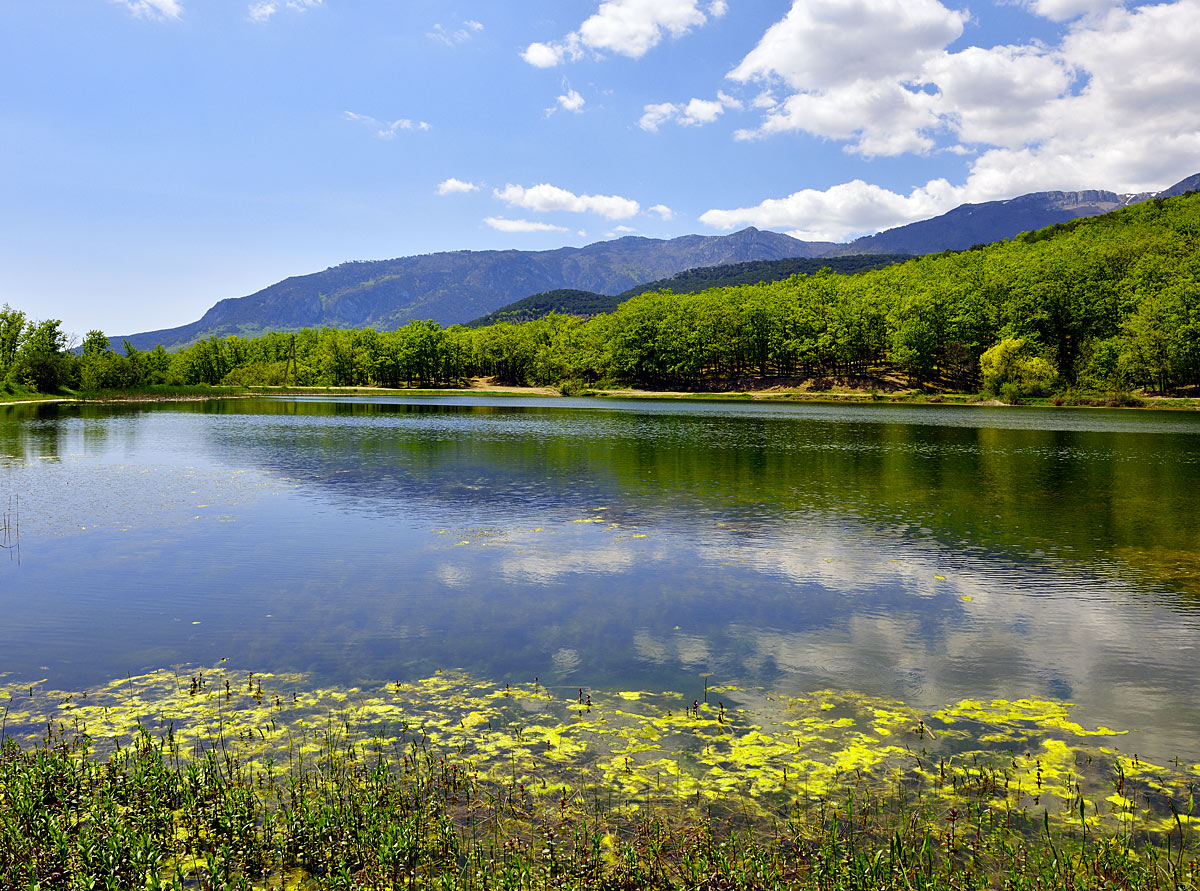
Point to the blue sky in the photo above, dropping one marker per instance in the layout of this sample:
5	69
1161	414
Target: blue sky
160	155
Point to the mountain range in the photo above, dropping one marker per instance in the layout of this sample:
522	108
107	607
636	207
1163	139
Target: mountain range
459	286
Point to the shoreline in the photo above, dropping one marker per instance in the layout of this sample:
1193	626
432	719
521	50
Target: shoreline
841	396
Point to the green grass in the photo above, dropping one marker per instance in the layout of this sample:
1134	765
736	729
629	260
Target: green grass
11	392
362	816
151	392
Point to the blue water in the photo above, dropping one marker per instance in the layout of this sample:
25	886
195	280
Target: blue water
616	544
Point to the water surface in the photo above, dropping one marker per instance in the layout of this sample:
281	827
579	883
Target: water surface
926	553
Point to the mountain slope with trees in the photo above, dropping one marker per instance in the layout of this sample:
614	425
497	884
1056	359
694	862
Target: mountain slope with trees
458	286
455	287
588	303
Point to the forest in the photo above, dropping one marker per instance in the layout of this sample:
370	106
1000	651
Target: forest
702	278
1107	303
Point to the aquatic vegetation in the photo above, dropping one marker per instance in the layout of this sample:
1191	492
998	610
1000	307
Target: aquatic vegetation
744	749
10	527
238	779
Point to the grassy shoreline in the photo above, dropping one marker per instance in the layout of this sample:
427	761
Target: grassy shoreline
361	818
201	778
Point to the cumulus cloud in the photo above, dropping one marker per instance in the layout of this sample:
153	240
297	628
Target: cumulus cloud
695	113
629	27
505	225
452	36
383	129
856	69
999	96
656	115
454	186
1083	113
664	212
545	55
153	9
824	43
569	101
262	10
833	214
546	198
877	117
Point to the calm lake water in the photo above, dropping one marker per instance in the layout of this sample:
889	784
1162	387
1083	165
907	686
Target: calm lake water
927	553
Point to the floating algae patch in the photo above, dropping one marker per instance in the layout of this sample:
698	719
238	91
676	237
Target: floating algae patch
748	751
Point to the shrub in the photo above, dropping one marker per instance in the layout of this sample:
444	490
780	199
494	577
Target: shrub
1011	368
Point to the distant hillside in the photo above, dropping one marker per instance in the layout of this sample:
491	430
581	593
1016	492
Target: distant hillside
756	272
588	303
970	224
1191	184
567	301
458	286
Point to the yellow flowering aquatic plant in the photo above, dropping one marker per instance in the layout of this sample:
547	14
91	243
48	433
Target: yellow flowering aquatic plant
749	750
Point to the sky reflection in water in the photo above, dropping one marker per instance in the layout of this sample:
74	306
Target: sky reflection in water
924	553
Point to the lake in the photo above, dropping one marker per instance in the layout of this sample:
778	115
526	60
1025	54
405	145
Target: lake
928	554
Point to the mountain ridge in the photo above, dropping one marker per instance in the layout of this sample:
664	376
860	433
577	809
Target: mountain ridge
454	287
457	286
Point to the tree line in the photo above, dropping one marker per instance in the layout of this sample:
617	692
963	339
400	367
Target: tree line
1104	303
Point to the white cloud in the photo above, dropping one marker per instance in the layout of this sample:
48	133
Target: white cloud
546	198
1114	104
695	113
624	230
153	9
881	117
454	186
832	215
728	101
543	55
825	43
454	36
657	114
999	96
262	10
505	225
386	130
629	27
570	101
664	212
700	111
1062	10
855	68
